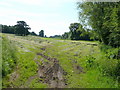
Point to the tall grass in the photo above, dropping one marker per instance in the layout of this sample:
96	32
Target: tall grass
107	67
9	58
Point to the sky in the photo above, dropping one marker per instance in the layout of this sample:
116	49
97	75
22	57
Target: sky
52	16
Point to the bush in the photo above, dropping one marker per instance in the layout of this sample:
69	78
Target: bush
109	62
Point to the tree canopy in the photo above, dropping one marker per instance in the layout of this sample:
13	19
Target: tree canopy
33	33
77	32
22	28
41	33
104	19
8	29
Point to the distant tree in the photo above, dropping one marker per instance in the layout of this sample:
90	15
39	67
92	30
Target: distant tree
41	33
75	33
66	35
45	36
55	36
11	29
22	28
8	29
0	27
33	33
78	32
5	29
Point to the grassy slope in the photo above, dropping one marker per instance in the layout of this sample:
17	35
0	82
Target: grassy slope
71	54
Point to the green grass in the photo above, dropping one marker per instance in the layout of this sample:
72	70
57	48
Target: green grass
9	58
99	67
25	67
36	84
0	60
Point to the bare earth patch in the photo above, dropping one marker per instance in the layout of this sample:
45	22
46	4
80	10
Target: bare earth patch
51	73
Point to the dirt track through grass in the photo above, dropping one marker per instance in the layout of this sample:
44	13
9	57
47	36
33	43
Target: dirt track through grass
52	63
51	73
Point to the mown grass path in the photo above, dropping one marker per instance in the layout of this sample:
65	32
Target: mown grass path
45	62
55	59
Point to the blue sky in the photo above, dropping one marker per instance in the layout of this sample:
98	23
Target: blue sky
52	16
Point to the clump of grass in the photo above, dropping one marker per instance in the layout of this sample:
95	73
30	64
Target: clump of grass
94	79
37	84
9	58
27	68
110	60
90	61
108	67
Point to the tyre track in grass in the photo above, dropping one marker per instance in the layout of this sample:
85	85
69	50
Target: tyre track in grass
51	72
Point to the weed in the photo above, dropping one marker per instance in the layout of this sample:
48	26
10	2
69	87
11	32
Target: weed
90	61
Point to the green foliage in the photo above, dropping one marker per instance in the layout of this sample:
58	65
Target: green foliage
66	35
21	28
56	36
9	58
103	17
111	65
77	32
33	33
41	33
8	29
90	61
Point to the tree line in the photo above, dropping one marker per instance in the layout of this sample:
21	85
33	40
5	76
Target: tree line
98	21
77	32
104	19
20	29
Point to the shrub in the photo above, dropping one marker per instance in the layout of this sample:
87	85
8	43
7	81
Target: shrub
109	62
